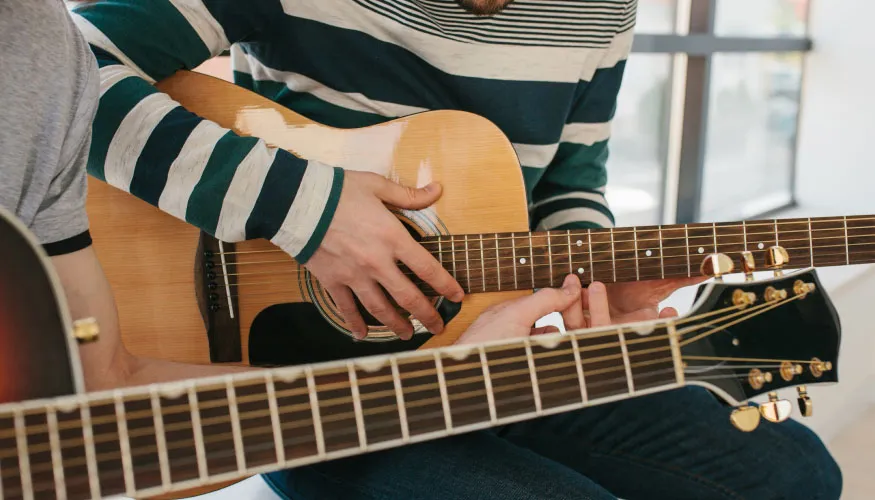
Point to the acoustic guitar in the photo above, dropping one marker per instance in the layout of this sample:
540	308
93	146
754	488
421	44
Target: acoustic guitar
185	296
739	340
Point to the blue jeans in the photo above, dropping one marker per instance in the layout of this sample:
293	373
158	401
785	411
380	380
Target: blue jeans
673	445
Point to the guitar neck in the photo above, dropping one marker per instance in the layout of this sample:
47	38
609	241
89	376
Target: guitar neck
517	261
150	440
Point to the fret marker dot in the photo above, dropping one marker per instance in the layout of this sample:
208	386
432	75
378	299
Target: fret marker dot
523	260
701	250
648	253
761	246
579	242
579	270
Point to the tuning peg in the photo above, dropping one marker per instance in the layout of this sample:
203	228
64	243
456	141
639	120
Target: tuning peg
749	264
776	410
806	407
745	418
716	265
776	259
85	330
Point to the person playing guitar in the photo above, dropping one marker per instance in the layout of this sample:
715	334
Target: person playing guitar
555	67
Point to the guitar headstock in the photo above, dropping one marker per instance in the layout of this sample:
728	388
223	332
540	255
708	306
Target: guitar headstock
745	339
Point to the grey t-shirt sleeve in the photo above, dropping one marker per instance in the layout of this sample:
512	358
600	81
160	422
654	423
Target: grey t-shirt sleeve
48	101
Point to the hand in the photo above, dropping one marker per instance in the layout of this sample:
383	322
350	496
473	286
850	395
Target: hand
361	249
627	302
515	318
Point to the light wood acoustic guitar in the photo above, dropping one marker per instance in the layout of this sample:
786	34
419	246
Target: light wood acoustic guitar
184	296
739	340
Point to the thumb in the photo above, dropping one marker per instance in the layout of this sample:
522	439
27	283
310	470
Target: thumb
407	197
548	300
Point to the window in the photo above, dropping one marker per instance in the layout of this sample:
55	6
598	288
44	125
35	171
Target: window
762	18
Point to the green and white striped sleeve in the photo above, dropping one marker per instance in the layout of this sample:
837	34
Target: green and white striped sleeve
233	187
571	194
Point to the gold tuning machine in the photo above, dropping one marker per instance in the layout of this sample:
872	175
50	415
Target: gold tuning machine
85	330
749	264
806	407
745	418
776	410
716	265
776	259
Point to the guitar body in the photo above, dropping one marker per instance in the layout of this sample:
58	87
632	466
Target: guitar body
156	263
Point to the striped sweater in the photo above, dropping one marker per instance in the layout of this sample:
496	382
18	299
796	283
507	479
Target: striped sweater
547	72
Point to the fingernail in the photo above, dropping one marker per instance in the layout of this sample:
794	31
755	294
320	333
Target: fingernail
430	187
457	297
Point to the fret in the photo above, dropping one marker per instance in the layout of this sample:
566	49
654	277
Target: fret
1	480
511	380
275	423
810	243
10	475
860	241
603	366
235	423
661	262
198	434
295	408
258	438
847	242
337	419
700	241
482	262
677	360
540	260
792	236
57	462
534	375
214	409
140	429
124	443
613	256
759	234
466	387
675	257
744	232
601	250
626	363
314	406
776	232
650	357
107	447
570	260
532	261
399	397
453	259
381	413
579	365
550	258
490	396
591	258
516	285
558	372
357	405
497	263
74	457
467	264
43	478
687	243
635	242
161	438
442	383
730	242
23	455
577	250
830	242
423	401
91	460
624	255
441	252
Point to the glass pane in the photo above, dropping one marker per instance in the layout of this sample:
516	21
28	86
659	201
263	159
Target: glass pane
761	18
754	107
655	16
639	141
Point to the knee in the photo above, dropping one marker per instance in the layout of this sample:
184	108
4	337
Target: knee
811	472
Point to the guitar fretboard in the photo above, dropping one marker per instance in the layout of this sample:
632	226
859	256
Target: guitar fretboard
146	441
514	261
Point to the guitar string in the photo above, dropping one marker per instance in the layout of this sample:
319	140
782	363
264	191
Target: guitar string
636	353
562	244
434	239
269	445
655	268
